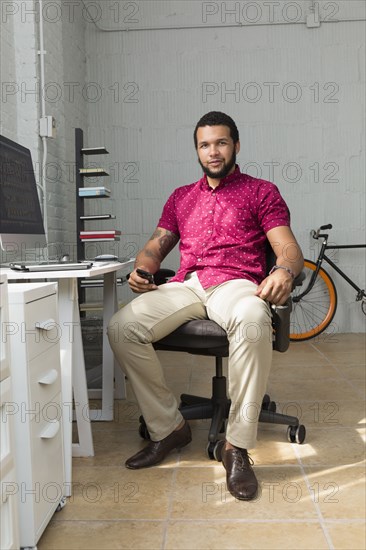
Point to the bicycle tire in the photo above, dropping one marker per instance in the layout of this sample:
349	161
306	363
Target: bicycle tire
313	313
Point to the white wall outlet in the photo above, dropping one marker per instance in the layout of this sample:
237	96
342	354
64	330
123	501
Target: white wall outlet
47	127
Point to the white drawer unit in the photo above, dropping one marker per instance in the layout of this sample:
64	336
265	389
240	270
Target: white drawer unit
9	535
34	336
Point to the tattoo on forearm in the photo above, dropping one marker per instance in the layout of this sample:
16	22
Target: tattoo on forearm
155	235
167	241
150	254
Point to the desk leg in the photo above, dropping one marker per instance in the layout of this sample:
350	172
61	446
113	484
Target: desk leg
113	382
73	377
109	307
109	363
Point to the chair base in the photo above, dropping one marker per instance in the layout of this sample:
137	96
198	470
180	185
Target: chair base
194	407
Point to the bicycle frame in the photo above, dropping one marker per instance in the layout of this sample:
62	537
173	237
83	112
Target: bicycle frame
322	256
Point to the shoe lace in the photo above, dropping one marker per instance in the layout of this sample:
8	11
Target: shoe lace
246	459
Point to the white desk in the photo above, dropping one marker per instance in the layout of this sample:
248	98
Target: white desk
72	355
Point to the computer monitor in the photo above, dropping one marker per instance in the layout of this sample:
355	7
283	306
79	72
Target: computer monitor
21	223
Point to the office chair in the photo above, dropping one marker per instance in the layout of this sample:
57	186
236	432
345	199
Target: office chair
205	337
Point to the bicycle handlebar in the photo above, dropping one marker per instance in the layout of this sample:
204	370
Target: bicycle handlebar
316	234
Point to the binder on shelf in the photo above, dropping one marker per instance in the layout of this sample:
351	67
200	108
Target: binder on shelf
94	191
93	172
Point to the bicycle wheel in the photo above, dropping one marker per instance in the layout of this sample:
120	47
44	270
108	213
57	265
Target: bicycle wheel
314	312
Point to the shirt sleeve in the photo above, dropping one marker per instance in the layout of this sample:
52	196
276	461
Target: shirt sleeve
272	209
168	219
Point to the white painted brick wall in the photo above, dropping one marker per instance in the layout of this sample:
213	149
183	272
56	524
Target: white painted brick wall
308	136
8	112
152	86
65	69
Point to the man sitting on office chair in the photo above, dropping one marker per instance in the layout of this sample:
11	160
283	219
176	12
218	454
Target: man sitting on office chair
222	222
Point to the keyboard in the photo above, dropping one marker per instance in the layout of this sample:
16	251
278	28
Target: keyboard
49	266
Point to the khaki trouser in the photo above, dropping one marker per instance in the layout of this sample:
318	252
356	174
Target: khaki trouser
153	315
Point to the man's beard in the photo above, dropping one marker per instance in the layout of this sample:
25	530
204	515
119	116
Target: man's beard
225	170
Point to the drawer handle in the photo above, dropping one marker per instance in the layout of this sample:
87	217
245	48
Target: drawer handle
51	431
49	324
49	378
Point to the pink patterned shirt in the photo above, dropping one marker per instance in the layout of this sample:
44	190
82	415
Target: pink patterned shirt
223	231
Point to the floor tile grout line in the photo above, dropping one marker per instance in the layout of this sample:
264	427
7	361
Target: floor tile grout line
169	515
338	521
166	522
316	506
342	375
258	466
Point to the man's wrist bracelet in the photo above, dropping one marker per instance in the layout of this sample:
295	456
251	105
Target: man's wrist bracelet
275	267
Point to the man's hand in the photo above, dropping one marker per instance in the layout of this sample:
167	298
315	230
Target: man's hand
276	288
150	257
139	284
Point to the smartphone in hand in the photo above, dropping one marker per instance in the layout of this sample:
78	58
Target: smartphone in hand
145	275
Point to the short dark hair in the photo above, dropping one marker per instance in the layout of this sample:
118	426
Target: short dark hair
216	118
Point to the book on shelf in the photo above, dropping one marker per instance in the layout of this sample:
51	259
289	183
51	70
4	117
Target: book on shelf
94	151
98	217
98	239
99	234
93	172
100	231
94	191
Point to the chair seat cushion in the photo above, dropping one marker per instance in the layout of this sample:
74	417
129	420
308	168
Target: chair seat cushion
203	337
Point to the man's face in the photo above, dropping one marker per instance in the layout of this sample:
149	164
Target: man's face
216	151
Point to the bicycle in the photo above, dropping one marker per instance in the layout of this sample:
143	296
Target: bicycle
314	302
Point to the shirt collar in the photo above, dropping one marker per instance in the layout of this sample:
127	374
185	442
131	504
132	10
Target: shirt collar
225	181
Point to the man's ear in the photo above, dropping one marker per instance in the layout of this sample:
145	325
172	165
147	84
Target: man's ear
237	147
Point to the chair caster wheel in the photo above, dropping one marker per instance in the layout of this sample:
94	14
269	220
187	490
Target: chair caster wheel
218	450
296	434
214	450
143	431
210	450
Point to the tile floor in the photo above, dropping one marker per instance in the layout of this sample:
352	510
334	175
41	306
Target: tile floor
312	495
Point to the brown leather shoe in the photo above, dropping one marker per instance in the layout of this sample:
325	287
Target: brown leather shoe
156	451
240	478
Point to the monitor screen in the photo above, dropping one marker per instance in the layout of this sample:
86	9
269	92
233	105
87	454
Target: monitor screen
21	223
